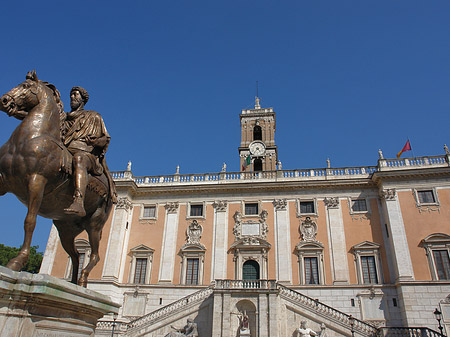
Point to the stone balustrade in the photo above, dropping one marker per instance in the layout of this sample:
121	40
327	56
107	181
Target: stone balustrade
245	284
408	332
285	175
328	312
171	308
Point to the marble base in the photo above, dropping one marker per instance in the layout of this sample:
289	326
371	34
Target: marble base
38	305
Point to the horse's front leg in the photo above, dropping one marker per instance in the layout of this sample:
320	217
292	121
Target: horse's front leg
36	186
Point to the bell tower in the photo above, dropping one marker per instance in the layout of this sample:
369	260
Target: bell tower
258	139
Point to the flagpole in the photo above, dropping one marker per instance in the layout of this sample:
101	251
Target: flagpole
414	156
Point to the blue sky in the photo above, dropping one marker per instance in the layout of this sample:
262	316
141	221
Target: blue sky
171	77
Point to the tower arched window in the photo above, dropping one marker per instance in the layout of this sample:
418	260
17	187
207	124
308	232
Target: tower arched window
257	165
257	133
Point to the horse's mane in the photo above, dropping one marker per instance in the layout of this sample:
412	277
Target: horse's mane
56	95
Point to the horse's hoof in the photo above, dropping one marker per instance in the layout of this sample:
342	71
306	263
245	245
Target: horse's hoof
15	265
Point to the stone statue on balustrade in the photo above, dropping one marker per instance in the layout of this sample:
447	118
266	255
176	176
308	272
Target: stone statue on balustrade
190	329
303	331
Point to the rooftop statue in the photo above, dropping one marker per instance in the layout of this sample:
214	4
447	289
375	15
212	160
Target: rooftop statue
54	163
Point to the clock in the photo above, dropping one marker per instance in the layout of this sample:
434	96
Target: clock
257	148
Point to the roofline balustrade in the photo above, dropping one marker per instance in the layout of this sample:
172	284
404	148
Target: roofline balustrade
286	175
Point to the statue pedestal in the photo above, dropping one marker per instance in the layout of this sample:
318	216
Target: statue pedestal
244	333
42	305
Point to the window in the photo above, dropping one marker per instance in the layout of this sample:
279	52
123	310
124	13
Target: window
250	270
310	260
311	270
141	263
442	262
257	165
141	271
437	249
196	210
426	197
307	207
369	270
427	200
257	133
149	212
193	259
84	251
192	271
251	208
359	205
367	260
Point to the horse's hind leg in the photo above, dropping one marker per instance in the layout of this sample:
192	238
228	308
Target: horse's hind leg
67	234
94	228
36	186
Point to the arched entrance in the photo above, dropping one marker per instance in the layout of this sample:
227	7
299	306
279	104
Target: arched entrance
250	270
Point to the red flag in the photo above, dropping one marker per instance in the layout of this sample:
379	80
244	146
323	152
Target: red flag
407	147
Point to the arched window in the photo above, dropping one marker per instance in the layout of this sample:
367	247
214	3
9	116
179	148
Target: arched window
257	165
257	133
250	270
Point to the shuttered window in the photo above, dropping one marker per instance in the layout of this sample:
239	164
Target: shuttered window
311	270
141	270
442	262
192	271
369	270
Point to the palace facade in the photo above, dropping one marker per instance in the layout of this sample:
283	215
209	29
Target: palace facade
348	250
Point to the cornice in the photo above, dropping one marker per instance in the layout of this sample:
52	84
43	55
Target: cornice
248	187
400	175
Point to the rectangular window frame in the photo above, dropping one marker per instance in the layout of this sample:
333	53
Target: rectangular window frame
299	207
191	255
351	203
143	216
367	249
141	252
251	202
196	204
417	192
310	250
446	269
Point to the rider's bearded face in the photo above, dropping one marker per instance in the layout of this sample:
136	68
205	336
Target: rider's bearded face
75	100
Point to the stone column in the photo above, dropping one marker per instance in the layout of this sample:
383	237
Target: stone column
111	267
336	237
168	252
397	235
50	252
220	241
282	242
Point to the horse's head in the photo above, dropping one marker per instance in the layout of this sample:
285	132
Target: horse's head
27	95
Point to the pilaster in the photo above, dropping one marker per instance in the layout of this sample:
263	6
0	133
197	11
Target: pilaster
219	258
111	267
282	241
169	243
336	236
397	235
50	252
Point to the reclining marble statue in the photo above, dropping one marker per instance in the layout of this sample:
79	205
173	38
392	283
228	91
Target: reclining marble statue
54	162
190	329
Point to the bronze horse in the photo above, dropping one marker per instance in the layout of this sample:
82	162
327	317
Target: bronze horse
36	167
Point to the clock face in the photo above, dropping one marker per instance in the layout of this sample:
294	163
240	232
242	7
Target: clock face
257	148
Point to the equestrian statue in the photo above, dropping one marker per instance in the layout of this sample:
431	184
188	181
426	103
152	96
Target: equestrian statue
54	163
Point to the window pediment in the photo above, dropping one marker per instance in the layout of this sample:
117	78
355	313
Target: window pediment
193	247
309	245
366	245
141	249
436	238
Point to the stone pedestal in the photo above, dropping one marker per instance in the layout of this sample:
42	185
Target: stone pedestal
42	305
